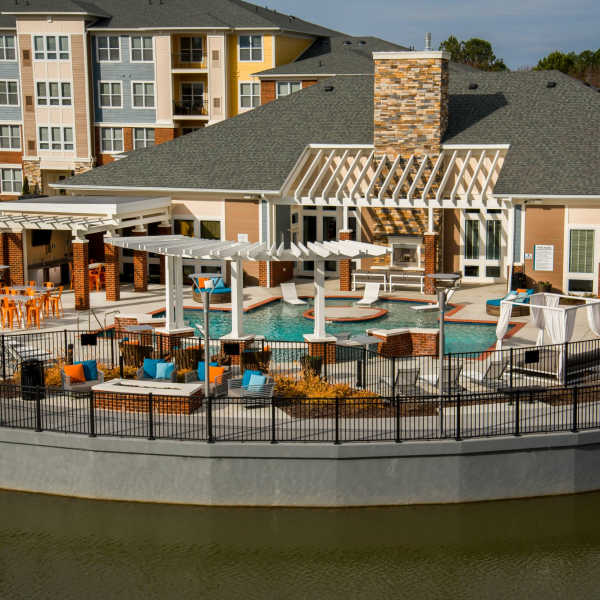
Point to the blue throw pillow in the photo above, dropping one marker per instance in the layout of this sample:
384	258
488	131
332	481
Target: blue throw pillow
201	369
257	380
90	369
247	375
164	370
150	365
218	282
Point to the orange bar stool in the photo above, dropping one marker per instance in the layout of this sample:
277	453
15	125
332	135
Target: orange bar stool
56	303
34	311
10	312
48	285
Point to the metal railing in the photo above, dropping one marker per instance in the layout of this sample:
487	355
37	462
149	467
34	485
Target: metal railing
196	108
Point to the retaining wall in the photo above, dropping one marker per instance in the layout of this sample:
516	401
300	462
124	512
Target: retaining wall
299	475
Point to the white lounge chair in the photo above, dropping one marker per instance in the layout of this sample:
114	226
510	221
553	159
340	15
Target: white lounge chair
371	294
290	294
435	306
488	372
434	378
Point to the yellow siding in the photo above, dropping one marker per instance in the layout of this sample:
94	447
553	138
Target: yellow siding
242	71
288	49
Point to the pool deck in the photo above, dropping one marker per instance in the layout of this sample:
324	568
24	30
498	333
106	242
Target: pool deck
469	298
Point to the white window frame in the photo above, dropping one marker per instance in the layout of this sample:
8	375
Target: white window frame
131	38
250	48
568	274
10	137
17	168
108	48
4	47
252	83
52	142
16	82
61	99
45	52
288	84
192	50
110	82
145	137
112	129
144	84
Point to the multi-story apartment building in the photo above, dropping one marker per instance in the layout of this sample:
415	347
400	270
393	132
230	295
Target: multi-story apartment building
82	82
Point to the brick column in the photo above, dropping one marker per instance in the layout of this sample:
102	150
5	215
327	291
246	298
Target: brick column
345	266
323	350
81	276
112	281
263	269
5	273
16	260
163	229
431	250
140	266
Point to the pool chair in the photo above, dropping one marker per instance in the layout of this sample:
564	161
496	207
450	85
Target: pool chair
254	388
452	376
487	372
290	294
218	377
157	370
436	305
371	294
81	376
492	307
405	382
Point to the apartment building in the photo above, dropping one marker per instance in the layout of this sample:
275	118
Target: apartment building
82	82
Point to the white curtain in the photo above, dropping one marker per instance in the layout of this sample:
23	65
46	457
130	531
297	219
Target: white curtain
503	323
537	302
593	311
560	324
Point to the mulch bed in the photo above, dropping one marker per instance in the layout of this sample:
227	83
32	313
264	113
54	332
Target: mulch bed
370	409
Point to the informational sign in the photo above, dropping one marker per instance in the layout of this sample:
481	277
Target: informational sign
242	237
543	258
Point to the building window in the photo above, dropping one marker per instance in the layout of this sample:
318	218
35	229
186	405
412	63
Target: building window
112	139
110	94
192	97
251	48
285	88
183	227
492	245
471	240
12	181
9	95
53	93
143	137
141	49
10	137
581	251
143	95
210	230
249	95
51	47
109	48
55	138
190	49
7	47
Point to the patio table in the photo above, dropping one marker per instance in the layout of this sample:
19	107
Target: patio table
38	289
95	265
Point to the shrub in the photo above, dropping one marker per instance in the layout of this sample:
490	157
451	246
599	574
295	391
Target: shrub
312	388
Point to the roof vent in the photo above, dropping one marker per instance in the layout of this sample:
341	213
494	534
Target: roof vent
473	86
551	84
362	43
428	41
347	43
329	88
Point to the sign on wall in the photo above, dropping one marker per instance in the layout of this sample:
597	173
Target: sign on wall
543	258
242	237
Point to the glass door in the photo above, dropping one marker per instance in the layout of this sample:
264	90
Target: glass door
482	245
319	224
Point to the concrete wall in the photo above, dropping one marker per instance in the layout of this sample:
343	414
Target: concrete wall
301	474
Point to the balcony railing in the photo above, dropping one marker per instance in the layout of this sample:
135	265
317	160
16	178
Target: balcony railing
195	108
188	59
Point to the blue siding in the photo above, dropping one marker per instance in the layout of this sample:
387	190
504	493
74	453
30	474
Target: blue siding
10	70
125	72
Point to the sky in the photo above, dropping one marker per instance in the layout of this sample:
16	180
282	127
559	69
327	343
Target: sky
521	31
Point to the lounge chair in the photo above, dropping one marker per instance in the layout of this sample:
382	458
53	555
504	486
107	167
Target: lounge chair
488	372
290	294
436	305
492	307
434	378
149	371
371	294
218	377
253	394
93	376
405	382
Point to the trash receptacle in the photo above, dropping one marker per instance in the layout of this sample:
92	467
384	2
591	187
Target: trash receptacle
32	379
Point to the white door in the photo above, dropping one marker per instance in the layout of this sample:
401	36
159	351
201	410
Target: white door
482	245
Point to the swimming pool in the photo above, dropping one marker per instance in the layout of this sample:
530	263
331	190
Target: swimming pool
280	321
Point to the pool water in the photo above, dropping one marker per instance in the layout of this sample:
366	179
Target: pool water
280	321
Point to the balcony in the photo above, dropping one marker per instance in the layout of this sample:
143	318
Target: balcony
189	61
191	110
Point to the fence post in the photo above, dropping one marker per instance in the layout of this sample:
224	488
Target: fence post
565	355
575	424
517	413
112	348
458	432
92	411
38	408
209	423
273	430
66	344
337	421
397	404
3	360
121	366
511	368
393	378
150	417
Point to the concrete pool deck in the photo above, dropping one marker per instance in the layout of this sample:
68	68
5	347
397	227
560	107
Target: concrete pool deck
470	299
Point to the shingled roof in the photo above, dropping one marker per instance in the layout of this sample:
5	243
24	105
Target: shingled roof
555	149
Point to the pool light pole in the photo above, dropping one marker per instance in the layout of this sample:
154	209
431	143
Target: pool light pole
206	291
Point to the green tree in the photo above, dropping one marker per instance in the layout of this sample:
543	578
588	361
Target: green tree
558	61
475	52
25	189
584	66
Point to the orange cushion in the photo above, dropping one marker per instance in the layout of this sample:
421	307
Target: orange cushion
524	291
75	372
214	372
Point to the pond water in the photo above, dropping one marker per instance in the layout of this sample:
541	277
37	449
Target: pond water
73	549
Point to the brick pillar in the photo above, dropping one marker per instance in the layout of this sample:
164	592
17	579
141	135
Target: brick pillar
140	266
163	229
16	261
323	350
81	276
263	267
431	250
345	266
112	281
5	273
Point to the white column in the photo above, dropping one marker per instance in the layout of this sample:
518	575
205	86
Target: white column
430	219
510	245
237	300
345	221
178	291
169	299
319	312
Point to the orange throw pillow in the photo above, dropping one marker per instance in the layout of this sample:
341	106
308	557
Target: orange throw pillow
524	291
75	372
214	372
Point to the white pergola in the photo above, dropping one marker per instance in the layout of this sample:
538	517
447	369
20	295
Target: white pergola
177	247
